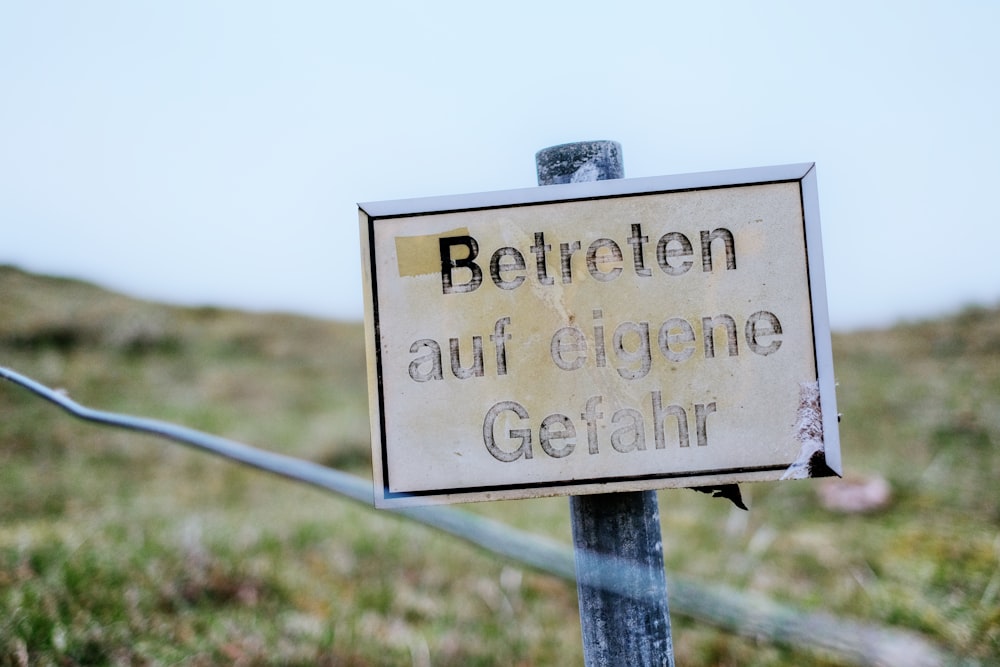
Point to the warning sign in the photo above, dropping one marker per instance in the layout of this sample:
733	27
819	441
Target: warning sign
594	337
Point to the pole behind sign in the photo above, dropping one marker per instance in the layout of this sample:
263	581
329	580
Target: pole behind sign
621	581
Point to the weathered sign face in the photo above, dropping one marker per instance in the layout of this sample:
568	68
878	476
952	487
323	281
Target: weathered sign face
598	337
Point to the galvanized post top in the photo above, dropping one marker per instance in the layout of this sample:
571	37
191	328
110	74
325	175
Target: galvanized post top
580	162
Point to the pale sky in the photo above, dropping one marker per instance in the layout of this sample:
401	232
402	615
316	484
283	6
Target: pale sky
215	152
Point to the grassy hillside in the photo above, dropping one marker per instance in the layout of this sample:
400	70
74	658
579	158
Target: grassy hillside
117	548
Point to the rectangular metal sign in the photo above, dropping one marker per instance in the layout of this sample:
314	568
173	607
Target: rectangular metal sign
596	337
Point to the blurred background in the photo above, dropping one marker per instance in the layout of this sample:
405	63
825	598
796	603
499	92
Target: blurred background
198	160
214	153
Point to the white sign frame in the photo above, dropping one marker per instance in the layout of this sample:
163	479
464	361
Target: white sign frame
405	260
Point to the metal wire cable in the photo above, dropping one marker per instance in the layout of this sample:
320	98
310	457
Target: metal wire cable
530	549
279	464
857	643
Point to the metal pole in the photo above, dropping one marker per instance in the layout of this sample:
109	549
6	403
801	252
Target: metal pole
624	617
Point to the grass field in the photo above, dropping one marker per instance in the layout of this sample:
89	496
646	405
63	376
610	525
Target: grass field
117	548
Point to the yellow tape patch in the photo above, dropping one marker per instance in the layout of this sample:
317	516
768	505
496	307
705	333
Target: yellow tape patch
421	255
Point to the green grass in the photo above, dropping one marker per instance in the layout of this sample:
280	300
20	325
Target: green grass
117	548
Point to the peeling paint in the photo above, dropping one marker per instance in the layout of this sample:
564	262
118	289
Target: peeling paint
811	461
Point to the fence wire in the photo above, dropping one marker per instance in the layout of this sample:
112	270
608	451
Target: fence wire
849	641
